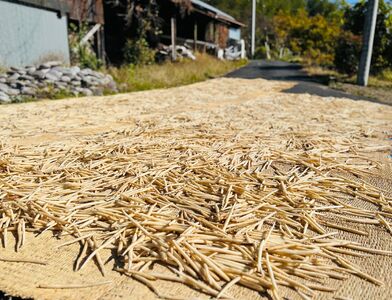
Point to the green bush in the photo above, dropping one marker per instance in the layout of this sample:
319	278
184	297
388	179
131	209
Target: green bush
131	78
261	52
354	22
88	59
138	52
347	53
82	55
311	37
386	75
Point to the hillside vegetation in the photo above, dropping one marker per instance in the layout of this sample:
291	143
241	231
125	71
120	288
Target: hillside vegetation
316	32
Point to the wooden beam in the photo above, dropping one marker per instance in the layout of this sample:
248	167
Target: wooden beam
90	34
101	45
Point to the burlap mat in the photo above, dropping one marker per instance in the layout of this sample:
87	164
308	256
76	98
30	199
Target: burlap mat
21	279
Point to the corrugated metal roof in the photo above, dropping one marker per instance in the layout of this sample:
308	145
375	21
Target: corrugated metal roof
212	9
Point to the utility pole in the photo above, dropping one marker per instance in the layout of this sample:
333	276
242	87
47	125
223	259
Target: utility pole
368	40
253	28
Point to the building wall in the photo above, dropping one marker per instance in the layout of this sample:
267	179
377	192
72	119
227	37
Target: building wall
30	35
223	35
91	11
235	33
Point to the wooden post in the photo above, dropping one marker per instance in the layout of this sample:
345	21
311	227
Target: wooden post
101	45
195	36
174	37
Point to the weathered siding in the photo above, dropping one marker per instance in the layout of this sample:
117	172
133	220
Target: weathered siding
86	11
223	35
30	35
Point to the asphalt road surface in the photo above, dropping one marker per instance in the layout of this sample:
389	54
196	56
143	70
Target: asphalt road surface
278	70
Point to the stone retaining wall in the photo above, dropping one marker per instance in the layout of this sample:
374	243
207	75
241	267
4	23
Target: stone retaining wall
32	82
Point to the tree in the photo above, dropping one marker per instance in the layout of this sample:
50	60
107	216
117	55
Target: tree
312	37
266	9
324	8
322	31
354	22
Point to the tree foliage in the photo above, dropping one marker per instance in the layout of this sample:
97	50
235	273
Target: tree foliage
312	37
347	52
140	16
325	32
141	25
354	20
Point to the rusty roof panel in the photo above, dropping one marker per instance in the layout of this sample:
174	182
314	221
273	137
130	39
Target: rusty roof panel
216	13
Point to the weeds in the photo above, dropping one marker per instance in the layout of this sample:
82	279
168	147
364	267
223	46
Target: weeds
379	87
138	78
138	52
386	75
82	54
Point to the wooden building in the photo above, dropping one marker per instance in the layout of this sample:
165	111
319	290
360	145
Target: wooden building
90	12
202	25
193	22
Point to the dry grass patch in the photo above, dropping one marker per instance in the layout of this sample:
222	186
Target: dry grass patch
139	78
379	87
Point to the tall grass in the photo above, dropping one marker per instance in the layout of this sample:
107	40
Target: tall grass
139	78
386	75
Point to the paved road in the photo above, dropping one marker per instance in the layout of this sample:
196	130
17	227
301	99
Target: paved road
277	70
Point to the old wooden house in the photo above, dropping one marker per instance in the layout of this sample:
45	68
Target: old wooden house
191	22
202	24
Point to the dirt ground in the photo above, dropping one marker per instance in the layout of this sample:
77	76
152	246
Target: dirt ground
244	106
382	94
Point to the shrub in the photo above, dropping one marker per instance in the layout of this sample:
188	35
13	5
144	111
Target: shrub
82	55
132	78
312	37
347	53
261	52
386	75
354	21
138	52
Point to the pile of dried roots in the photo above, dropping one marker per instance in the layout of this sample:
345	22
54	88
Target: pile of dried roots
216	204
